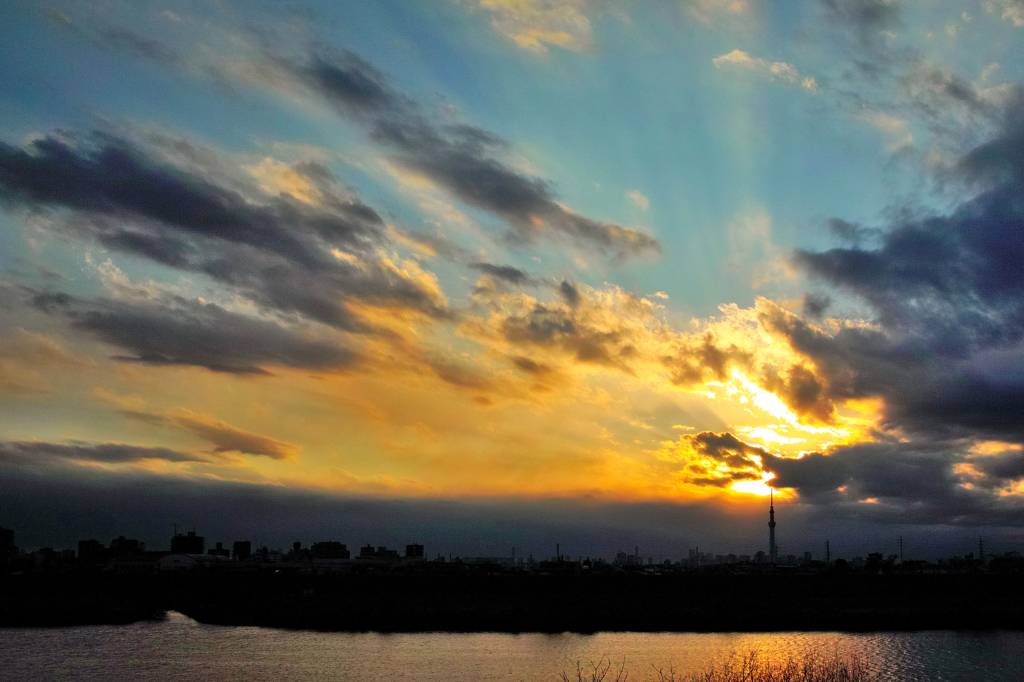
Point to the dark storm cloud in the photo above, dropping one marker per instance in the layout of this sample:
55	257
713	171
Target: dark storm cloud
1004	467
964	405
322	296
34	452
185	332
463	159
923	387
856	361
114	178
890	481
815	305
887	481
561	328
168	251
948	292
802	391
542	325
506	273
999	161
275	250
725	448
928	483
51	302
742	459
852	233
569	292
904	472
350	82
813	475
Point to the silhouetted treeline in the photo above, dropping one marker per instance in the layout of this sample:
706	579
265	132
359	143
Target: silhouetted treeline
523	603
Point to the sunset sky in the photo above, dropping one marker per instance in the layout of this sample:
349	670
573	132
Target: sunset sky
482	273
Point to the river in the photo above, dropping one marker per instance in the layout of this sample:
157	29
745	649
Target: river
178	648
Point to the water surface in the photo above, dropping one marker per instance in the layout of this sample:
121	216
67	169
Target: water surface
179	648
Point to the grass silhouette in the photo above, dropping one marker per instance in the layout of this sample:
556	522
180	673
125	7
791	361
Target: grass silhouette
752	667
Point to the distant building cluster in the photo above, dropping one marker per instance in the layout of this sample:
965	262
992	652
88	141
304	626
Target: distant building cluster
188	551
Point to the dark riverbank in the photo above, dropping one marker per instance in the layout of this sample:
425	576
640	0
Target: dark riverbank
525	603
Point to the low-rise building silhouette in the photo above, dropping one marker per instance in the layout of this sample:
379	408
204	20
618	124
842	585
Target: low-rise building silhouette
188	544
380	554
7	547
329	550
220	550
92	552
122	545
241	550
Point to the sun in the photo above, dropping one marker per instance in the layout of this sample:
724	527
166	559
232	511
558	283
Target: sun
754	487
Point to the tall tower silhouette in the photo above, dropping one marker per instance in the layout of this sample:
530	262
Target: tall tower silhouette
773	551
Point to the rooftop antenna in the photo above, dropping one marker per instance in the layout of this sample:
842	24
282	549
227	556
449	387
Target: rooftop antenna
828	554
901	550
981	549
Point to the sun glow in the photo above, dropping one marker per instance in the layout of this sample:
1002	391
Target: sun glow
768	435
754	487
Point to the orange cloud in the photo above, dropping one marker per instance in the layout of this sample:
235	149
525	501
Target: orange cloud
223	436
